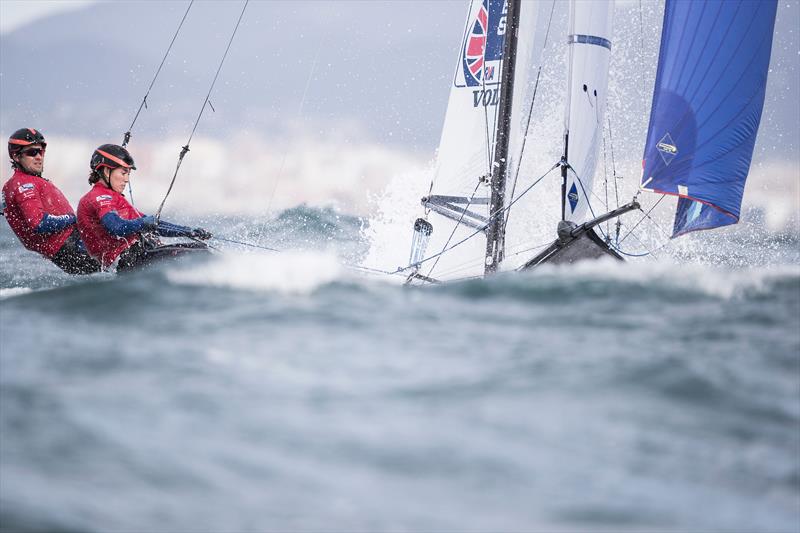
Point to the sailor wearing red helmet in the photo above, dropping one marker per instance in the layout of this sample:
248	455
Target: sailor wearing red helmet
112	228
37	211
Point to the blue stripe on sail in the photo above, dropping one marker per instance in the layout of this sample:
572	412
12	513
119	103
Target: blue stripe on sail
589	39
707	104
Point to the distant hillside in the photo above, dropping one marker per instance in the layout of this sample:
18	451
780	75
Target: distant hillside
381	70
383	66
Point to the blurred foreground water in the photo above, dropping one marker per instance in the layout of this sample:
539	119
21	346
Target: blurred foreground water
256	391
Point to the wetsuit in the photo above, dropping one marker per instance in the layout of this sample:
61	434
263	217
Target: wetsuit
110	227
44	222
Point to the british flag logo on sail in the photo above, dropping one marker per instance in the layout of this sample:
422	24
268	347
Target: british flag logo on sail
482	50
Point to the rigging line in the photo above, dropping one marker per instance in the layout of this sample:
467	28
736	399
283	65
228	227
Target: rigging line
225	239
605	180
158	71
260	247
492	215
580	182
630	232
460	268
299	116
583	189
195	239
455	226
591	210
369	269
530	111
646	215
537	247
656	224
652	252
641	243
127	135
613	161
185	149
649	252
614	176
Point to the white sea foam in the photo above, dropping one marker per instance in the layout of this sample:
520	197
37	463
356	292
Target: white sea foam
390	230
719	282
13	291
288	272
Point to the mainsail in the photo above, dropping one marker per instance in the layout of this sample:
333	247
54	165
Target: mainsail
707	103
458	202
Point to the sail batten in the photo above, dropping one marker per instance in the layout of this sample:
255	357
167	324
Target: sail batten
707	104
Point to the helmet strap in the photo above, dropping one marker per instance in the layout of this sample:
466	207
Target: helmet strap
106	179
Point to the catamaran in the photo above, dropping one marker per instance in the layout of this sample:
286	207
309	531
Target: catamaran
706	108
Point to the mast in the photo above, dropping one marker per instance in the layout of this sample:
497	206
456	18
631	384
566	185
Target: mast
495	231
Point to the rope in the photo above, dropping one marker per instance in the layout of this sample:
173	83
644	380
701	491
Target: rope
605	179
269	249
225	239
530	111
495	214
646	215
158	71
630	232
455	226
185	149
127	136
614	175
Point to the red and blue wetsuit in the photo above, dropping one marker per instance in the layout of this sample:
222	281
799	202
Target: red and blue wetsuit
109	225
101	244
38	213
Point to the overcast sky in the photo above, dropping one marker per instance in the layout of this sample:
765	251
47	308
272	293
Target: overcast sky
15	13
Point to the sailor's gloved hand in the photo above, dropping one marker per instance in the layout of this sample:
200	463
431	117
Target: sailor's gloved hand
200	233
149	222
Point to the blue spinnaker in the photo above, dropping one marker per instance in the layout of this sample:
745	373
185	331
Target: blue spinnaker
707	103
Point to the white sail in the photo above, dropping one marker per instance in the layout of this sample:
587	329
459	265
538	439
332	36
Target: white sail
460	187
589	39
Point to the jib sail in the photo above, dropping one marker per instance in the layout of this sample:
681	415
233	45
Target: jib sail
707	103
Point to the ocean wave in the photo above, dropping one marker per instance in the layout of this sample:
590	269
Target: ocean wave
610	278
289	272
13	291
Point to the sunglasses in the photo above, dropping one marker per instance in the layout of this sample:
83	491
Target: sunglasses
33	152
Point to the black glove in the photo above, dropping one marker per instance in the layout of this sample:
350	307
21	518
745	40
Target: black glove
149	223
200	233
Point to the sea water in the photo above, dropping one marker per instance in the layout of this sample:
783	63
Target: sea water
263	391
